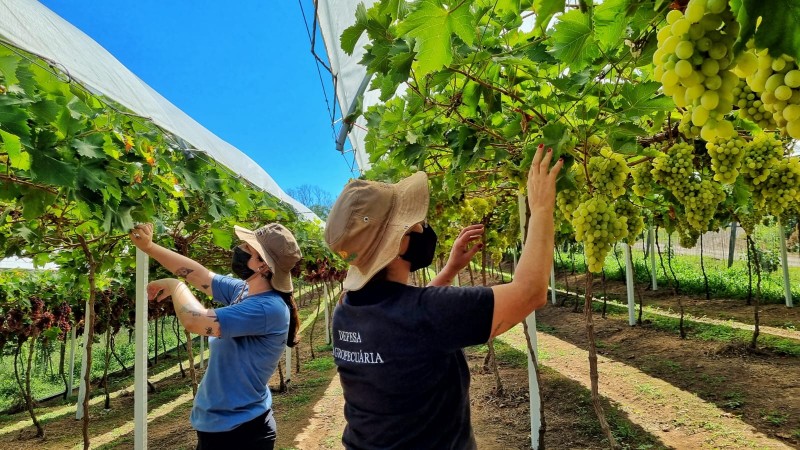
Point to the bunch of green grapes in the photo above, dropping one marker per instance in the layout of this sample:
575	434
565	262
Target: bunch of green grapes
598	228
675	167
567	201
751	107
687	235
633	218
781	190
760	155
642	178
608	173
686	127
777	80
694	61
700	199
726	158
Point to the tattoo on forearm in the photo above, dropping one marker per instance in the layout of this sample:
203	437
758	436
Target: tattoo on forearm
183	272
208	331
206	286
186	309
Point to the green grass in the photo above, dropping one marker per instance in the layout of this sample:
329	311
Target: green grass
710	332
45	381
723	282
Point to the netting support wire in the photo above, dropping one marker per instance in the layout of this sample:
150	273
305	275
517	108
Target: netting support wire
629	284
140	361
787	288
348	125
72	338
651	241
533	382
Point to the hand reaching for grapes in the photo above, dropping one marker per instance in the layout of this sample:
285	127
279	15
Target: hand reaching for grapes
142	236
542	181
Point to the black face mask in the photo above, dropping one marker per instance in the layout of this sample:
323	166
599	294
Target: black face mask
239	264
421	248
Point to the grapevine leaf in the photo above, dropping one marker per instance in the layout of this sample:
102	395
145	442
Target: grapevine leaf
88	148
35	203
554	135
545	9
94	177
432	26
221	237
8	67
13	147
14	119
609	26
351	34
778	29
637	100
45	110
49	170
573	40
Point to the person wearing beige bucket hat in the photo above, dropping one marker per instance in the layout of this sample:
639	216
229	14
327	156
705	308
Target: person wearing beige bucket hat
247	335
399	348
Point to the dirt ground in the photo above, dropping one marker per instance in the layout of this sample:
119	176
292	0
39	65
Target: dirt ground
659	392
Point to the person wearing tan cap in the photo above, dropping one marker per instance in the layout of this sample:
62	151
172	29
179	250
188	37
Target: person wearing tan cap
398	348
247	336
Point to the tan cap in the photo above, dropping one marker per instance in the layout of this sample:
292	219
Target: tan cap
278	248
368	221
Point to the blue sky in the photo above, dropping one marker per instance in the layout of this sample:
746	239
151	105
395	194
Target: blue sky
242	69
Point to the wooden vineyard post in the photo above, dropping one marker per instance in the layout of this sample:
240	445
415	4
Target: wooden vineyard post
140	362
288	364
732	243
787	287
629	284
535	400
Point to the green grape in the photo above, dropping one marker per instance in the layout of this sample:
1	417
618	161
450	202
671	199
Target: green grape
567	200
792	78
760	156
633	218
597	226
642	178
751	107
608	173
780	190
726	158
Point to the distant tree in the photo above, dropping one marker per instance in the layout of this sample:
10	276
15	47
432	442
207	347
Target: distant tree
314	197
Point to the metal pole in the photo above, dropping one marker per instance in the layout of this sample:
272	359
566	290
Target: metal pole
651	237
73	338
327	314
533	383
84	368
629	282
732	243
787	288
140	362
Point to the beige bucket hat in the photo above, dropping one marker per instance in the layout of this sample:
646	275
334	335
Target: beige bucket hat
278	248
368	221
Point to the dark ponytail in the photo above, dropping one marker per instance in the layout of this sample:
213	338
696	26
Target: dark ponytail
294	319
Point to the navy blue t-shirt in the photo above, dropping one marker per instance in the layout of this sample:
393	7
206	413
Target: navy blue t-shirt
399	352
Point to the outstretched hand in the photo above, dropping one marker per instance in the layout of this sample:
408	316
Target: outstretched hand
162	289
142	236
464	247
542	180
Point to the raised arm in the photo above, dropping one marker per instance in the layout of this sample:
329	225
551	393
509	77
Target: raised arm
190	270
195	317
460	255
528	291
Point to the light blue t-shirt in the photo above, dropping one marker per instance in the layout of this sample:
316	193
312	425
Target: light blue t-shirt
254	332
